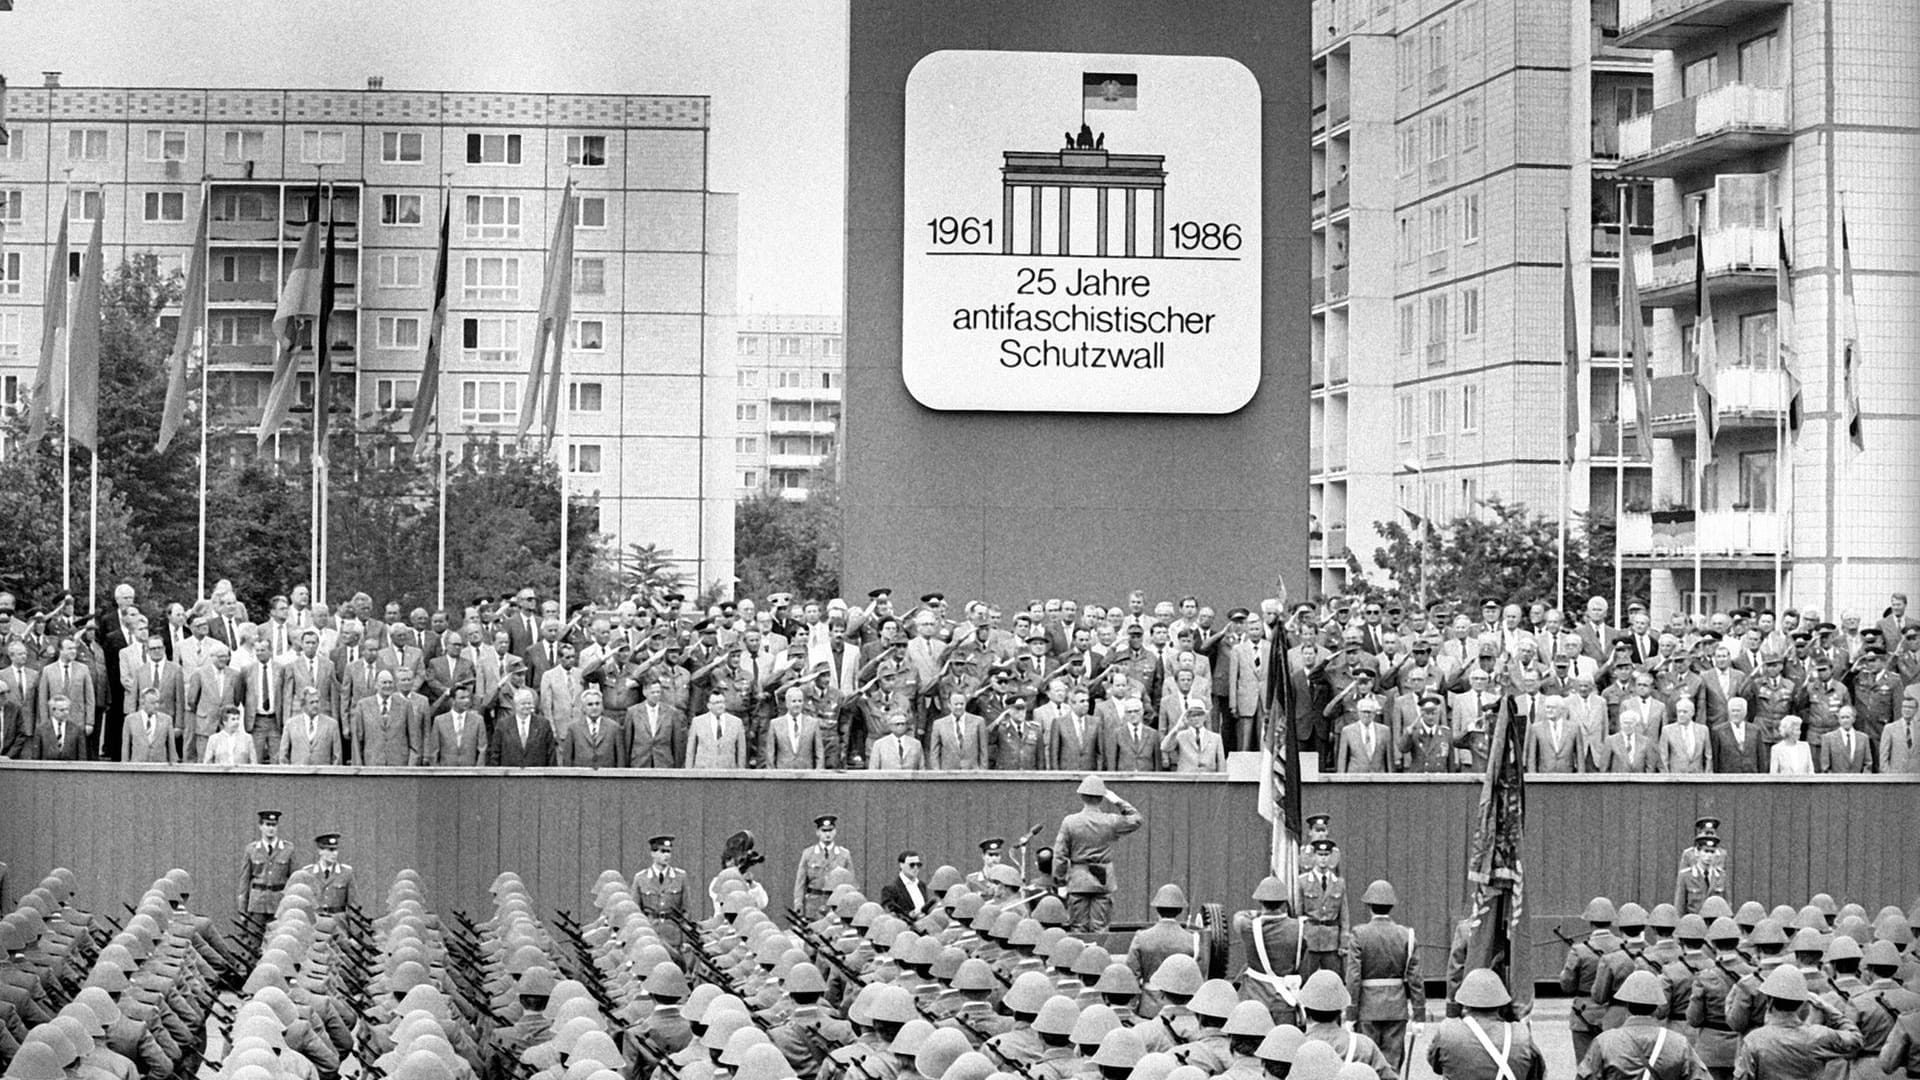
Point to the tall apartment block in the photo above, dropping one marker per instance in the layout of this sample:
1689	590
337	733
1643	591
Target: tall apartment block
650	353
1456	145
790	381
1772	117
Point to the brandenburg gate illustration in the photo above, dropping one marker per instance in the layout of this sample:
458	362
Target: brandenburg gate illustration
1083	164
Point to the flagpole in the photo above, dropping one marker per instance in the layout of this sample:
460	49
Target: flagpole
1620	422
565	425
206	405
313	467
1566	422
66	416
321	424
439	414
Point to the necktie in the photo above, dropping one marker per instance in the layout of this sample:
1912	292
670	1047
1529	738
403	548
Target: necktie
553	655
793	731
900	746
1686	732
593	729
1629	751
155	676
1366	737
149	725
59	733
523	730
653	720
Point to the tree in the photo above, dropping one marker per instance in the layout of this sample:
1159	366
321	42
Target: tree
648	569
1507	551
30	504
787	546
503	524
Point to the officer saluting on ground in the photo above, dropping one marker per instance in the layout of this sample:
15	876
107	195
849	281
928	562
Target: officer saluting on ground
1083	854
266	866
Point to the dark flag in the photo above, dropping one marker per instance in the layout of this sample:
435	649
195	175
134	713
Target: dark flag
427	395
1280	775
1496	928
323	344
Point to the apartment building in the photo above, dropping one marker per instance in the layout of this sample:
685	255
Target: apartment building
790	370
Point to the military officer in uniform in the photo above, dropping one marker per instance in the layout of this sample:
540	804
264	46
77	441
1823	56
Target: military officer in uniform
1789	1046
1323	907
1383	977
810	887
1273	945
1083	854
1319	827
1702	870
333	878
1152	945
1641	1048
1480	1044
661	890
1584	960
264	870
991	850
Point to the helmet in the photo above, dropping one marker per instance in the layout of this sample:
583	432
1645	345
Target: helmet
1767	932
1599	910
1843	948
1380	894
1092	1025
973	974
1120	1048
1118	979
1169	896
1482	989
1028	992
1786	983
1750	913
1215	999
1715	907
1177	974
1057	1016
1324	992
1282	1043
1664	917
1808	940
805	978
1640	988
1250	1019
1631	914
942	1048
1271	889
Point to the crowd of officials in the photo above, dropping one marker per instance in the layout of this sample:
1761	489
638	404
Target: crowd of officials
1376	686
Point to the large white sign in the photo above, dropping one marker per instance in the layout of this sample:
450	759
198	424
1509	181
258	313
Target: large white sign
1082	233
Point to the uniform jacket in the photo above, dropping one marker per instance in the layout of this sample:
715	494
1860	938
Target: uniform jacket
1383	972
663	745
314	742
1457	1053
137	745
810	874
1323	907
1083	848
1153	944
506	749
264	870
464	748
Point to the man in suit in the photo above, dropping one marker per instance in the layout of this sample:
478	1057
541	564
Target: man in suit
1629	751
1719	687
1245	680
310	736
592	741
897	751
715	739
792	739
957	738
400	652
383	727
1596	637
307	669
1191	747
357	684
16	728
1737	746
522	740
1686	746
277	632
522	624
906	896
22	680
1366	744
1054	711
1588	710
419	712
656	731
559	686
70	678
62	737
1128	744
1652	711
1846	750
449	667
1900	740
1075	744
545	654
214	687
148	733
487	651
157	673
263	702
459	734
1554	743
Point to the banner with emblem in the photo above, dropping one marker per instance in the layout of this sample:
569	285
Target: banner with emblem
1279	799
1496	927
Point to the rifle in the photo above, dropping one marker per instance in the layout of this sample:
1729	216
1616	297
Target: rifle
652	1057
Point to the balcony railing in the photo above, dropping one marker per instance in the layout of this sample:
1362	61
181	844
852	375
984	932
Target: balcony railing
1714	533
1744	396
1336	542
1320	118
1337	457
1339	110
1436	353
1737	249
1337	284
1317	371
1437	261
1671	24
1316	459
1736	110
1436	79
1434	445
1337	201
1317	290
1606	440
1317	204
1337	368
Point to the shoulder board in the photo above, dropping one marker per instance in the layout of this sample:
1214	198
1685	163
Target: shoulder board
345	867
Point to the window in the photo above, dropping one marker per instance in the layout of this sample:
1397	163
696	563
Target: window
399	209
323	147
1759	341
1470	28
398	332
1470	218
489	402
1437	327
1469	494
586	335
1469	408
1760	61
164	206
1437	411
830	347
87	144
15	147
493	217
1743	200
585	397
242	206
166	145
1409	242
1470	311
239	330
1757	480
492	277
1437	53
787	346
583	458
491	341
11	203
1707	495
243	144
787	380
589	150
1700	76
746	444
589	212
1409	328
1409	61
1403	412
1631	101
83	206
402	147
749	479
1409	149
233	269
747	377
399	271
590	277
746	410
10	338
394	395
749	346
9	273
826	380
1438	137
495	149
1470	124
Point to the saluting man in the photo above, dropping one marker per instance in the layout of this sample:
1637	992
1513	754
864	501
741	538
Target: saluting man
268	863
810	888
662	891
336	877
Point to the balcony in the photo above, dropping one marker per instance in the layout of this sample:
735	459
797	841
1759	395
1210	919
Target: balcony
1337	457
1337	200
1316	459
797	461
247	231
1320	118
1701	132
1437	261
1317	371
1738	259
1339	111
1722	537
1606	240
1337	368
1317	290
803	393
1434	445
241	292
1605	441
801	427
1335	544
1745	397
1317	205
1674	24
1337	284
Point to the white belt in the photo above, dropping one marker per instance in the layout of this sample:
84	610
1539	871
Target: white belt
1380	982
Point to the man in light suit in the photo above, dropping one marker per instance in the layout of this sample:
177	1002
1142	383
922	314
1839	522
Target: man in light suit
124	665
68	677
310	736
714	738
522	622
1191	747
62	736
1075	742
459	734
1686	746
1900	740
383	727
521	740
356	684
592	741
307	669
1719	686
148	733
1246	681
1054	711
560	687
1554	743
957	739
157	673
449	667
214	687
1129	745
1588	710
1845	749
1366	744
897	751
401	652
1653	712
1596	637
793	737
264	703
23	683
656	731
1630	751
